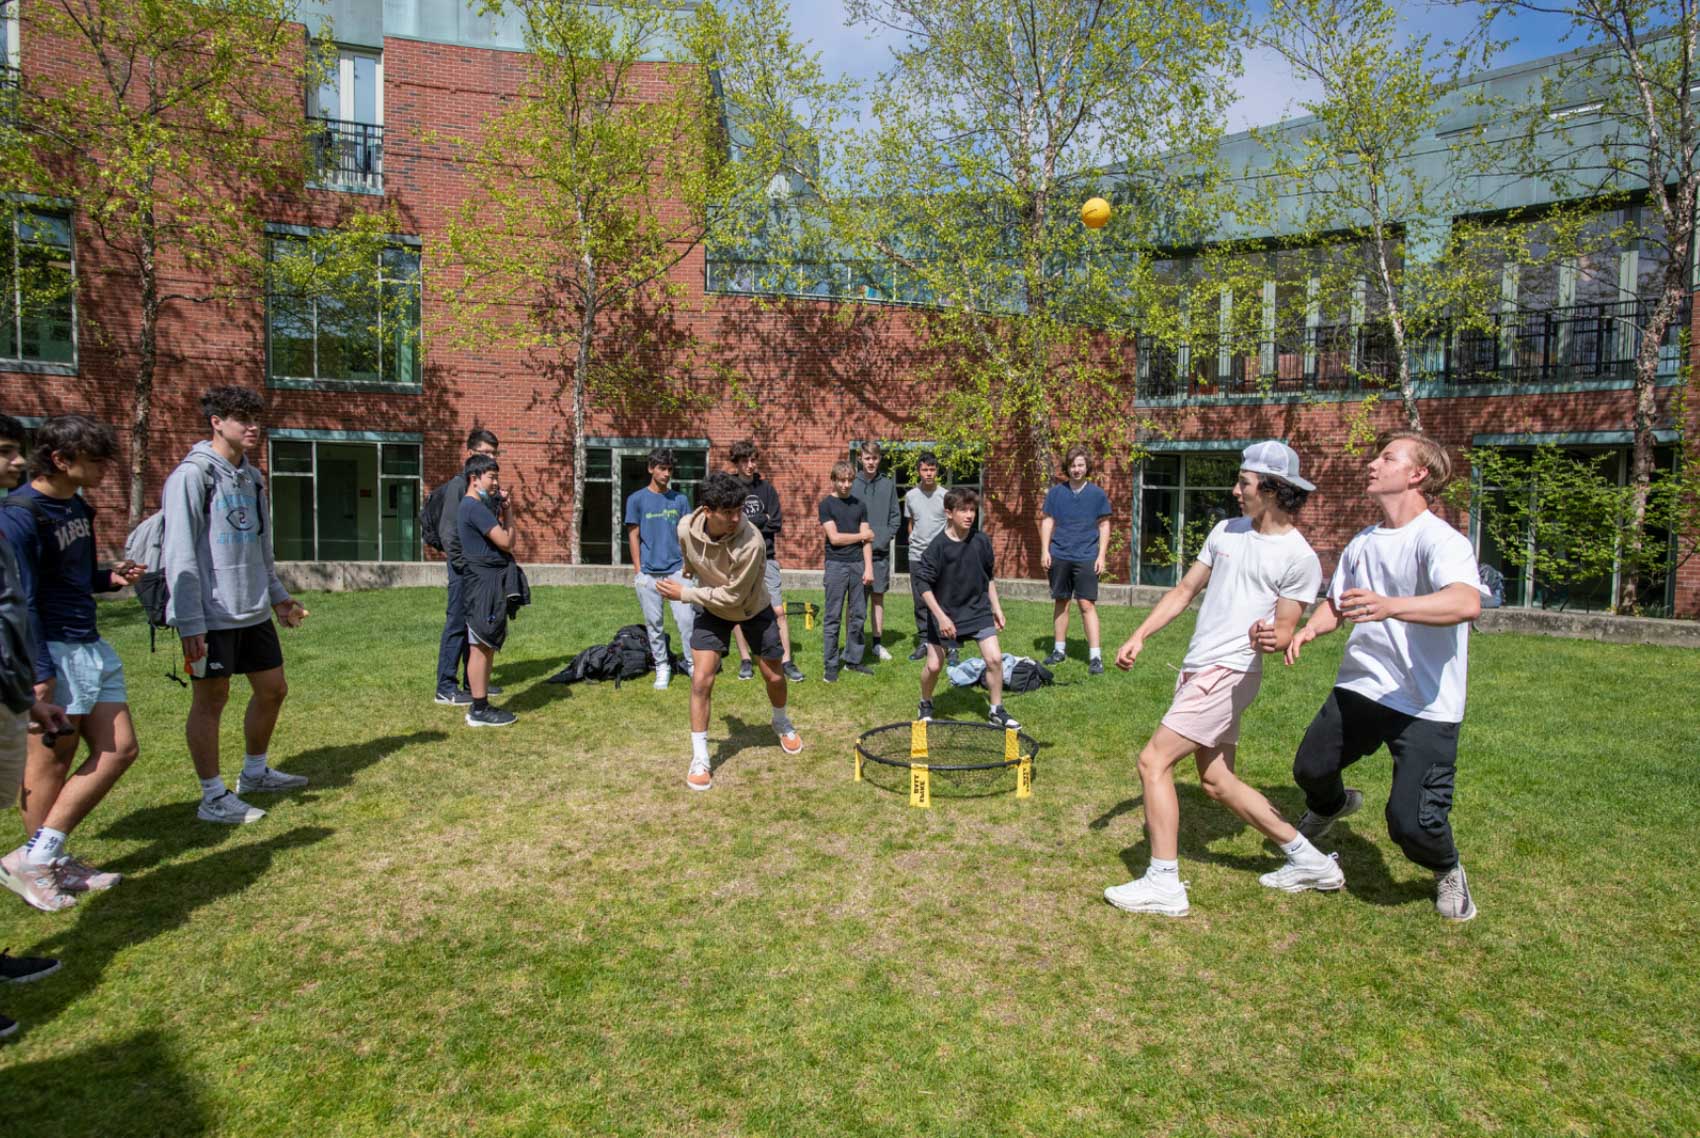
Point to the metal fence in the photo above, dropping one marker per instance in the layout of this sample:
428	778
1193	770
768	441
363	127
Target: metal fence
348	154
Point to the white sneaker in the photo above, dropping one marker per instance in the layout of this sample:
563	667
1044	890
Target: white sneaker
663	676
1294	877
228	808
1452	895
269	780
1144	895
700	776
881	652
1315	827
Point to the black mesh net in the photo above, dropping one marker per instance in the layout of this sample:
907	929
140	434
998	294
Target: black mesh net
964	759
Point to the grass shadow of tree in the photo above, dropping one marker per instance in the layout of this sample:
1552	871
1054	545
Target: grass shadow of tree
144	1090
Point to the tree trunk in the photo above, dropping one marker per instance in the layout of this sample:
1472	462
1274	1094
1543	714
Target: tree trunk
1641	448
581	372
141	415
1395	315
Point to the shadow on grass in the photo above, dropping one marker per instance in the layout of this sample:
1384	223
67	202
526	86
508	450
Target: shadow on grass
137	911
520	671
543	694
742	735
334	766
143	1090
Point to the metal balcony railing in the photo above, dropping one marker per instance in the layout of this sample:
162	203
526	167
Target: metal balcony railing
348	155
11	94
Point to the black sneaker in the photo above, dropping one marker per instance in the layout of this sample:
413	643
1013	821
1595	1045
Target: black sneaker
1001	718
746	671
794	673
455	697
925	710
23	969
953	658
1054	658
491	689
8	1027
862	668
1096	666
490	717
830	676
920	653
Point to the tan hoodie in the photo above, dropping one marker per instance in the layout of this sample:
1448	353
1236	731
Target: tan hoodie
729	573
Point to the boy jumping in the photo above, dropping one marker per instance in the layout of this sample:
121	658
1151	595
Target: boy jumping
726	557
955	576
1260	573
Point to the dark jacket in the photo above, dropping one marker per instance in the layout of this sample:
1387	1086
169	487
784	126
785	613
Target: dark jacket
761	508
885	515
17	662
448	525
493	596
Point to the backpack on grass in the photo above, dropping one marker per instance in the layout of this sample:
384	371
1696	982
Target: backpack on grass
626	657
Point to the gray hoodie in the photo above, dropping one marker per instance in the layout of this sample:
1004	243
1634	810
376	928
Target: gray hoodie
885	517
217	554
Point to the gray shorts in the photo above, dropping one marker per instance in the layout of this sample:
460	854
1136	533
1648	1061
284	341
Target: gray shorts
882	574
770	577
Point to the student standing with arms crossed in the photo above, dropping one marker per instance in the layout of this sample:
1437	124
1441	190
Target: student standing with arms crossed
1075	536
849	571
1410	586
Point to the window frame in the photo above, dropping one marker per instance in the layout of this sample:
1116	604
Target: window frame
397	242
59	211
377	439
899	551
619	448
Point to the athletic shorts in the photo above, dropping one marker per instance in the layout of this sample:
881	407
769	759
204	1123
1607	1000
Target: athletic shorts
961	638
14	736
1208	704
882	574
1073	581
89	673
770	578
713	633
239	651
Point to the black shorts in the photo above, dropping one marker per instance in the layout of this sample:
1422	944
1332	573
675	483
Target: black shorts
713	633
962	635
239	651
1073	580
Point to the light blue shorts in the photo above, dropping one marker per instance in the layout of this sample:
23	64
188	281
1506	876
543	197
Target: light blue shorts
88	674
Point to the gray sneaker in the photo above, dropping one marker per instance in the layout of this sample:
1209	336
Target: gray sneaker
794	673
455	697
1452	895
1054	658
746	671
269	781
490	717
1316	826
229	809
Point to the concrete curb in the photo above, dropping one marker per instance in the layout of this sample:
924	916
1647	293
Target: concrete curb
353	576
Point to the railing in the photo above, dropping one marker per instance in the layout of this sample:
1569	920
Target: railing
11	94
1527	347
348	155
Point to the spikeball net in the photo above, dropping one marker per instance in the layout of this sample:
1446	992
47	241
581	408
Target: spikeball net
948	758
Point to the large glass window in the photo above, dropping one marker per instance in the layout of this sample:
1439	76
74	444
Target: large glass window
345	501
37	308
897	459
612	474
1182	497
365	330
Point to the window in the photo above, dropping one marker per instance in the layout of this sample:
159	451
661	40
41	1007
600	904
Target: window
347	110
1182	497
37	310
613	471
365	331
898	460
336	500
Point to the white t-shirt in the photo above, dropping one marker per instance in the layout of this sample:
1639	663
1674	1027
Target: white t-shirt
1249	572
1414	668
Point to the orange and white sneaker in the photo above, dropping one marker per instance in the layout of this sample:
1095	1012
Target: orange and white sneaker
790	742
700	776
37	884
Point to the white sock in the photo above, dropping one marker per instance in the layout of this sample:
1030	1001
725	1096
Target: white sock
212	787
1167	871
254	765
1096	654
1300	849
1059	646
782	721
47	846
699	746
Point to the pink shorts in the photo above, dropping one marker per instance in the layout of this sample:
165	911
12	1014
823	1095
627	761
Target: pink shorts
1208	704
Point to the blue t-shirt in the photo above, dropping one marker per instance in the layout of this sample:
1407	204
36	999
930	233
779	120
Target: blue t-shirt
57	569
473	520
1075	535
657	518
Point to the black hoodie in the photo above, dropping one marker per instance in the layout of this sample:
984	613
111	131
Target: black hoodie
761	508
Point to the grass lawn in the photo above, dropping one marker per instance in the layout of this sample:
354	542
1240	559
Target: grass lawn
541	931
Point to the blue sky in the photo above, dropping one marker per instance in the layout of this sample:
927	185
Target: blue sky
1266	90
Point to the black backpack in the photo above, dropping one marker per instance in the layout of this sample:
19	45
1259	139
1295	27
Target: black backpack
1028	675
431	516
626	657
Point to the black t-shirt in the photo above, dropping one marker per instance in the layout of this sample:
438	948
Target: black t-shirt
474	520
958	573
847	514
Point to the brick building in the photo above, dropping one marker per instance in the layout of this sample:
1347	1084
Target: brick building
360	426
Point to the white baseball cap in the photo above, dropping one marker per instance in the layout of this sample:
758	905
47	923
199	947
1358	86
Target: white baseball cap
1276	458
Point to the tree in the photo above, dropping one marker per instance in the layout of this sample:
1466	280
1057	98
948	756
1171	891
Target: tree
1358	168
178	122
1627	93
590	187
994	122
